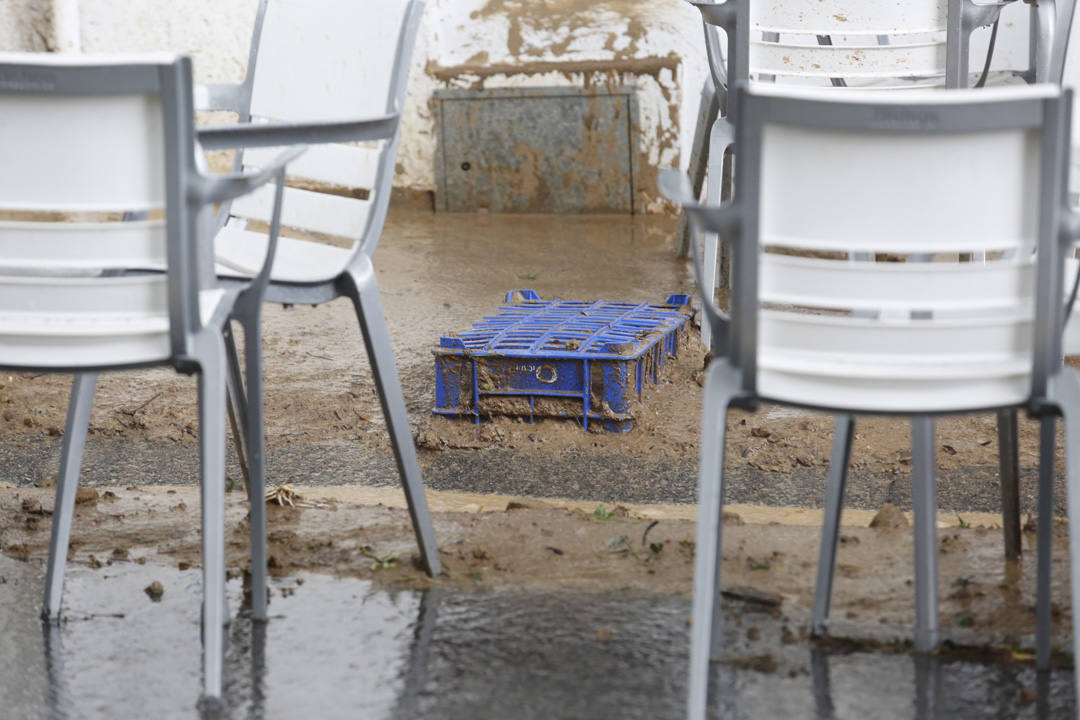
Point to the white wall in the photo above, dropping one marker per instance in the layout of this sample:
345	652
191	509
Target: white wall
656	47
26	26
653	45
216	33
531	43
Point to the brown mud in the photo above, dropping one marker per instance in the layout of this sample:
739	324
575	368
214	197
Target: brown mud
439	273
534	545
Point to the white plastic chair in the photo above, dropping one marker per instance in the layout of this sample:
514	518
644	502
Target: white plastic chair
963	336
1053	25
888	47
822	43
1062	70
323	73
100	135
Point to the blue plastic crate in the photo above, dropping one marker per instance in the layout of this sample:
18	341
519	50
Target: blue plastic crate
558	358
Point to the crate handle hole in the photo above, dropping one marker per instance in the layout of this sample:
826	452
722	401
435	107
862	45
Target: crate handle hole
547	374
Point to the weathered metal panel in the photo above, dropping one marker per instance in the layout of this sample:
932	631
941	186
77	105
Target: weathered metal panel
536	150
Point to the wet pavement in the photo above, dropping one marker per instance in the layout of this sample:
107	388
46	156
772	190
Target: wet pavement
340	648
607	478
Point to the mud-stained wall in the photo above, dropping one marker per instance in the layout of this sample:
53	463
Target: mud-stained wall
27	26
216	33
655	47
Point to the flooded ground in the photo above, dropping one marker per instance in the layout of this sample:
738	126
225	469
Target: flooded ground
347	648
543	612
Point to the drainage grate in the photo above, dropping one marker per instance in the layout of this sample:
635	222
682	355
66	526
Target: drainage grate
558	358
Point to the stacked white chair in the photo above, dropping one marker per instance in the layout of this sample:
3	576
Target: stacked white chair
970	336
1059	71
330	74
101	136
885	47
309	81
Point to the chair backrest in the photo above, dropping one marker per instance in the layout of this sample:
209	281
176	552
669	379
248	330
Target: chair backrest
1066	65
829	43
95	136
324	60
875	44
941	334
1065	70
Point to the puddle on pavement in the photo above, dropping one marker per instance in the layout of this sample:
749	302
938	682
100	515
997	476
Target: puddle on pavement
341	648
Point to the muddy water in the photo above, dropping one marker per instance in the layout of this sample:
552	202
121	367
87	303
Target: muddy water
341	648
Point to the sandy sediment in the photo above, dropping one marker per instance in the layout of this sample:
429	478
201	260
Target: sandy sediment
495	543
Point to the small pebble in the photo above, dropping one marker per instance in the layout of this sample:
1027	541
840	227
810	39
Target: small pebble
889	517
154	590
86	495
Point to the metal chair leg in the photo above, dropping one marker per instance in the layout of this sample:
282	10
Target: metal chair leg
212	460
245	406
1047	439
237	402
830	530
824	709
1065	386
416	669
67	485
929	684
369	313
58	697
1009	464
255	444
720	139
924	491
706	630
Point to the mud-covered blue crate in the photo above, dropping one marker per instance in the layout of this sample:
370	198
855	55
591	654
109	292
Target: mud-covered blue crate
558	358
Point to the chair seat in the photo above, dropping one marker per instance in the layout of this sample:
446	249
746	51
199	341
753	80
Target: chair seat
240	253
999	78
71	339
903	389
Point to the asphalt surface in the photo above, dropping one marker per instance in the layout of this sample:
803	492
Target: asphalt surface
588	476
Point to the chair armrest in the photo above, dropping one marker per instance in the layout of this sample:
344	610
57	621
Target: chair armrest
220	97
977	15
257	286
1061	33
219	137
714	13
717	67
716	16
228	186
723	220
1069	239
219	188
